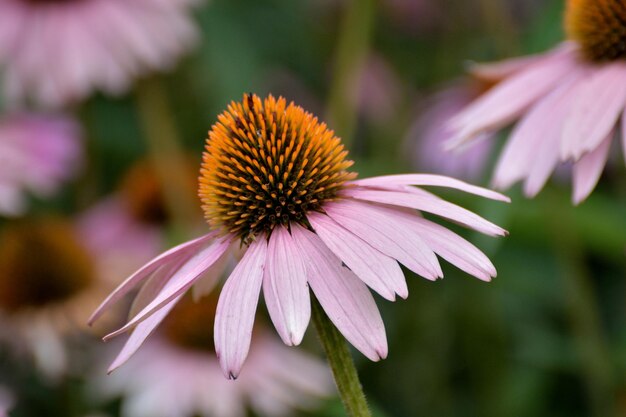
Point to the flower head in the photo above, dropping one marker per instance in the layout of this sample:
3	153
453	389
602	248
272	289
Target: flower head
275	181
182	349
568	102
37	153
94	45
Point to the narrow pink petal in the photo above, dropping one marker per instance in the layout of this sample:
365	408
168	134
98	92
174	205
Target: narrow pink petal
543	123
144	272
179	282
386	232
456	250
588	169
344	297
496	71
596	110
378	271
429	203
624	134
236	309
285	287
507	100
431	180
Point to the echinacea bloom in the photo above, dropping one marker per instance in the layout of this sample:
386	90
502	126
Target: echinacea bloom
428	134
94	45
275	181
37	154
277	381
569	103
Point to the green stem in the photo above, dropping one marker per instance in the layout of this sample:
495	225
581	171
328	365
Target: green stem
594	353
341	363
351	51
166	153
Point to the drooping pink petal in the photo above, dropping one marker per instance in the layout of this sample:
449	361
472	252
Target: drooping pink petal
236	309
429	203
588	169
179	282
507	100
456	250
378	271
596	110
147	270
430	180
496	71
381	229
543	123
285	287
343	296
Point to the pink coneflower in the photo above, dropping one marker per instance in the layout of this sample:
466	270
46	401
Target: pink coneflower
275	181
37	153
59	51
569	102
428	135
195	386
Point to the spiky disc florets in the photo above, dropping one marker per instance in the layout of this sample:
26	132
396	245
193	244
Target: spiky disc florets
268	163
599	27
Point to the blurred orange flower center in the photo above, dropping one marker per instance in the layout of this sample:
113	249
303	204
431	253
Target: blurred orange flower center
189	324
41	263
599	27
268	163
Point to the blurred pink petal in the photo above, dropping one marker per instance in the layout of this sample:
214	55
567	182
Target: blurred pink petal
587	170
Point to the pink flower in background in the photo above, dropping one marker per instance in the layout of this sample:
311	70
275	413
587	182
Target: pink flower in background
37	154
378	90
57	52
428	134
569	103
274	181
277	381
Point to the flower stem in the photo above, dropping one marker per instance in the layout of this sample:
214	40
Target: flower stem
166	153
352	48
341	363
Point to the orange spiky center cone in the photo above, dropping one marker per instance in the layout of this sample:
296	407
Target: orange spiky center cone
599	27
268	163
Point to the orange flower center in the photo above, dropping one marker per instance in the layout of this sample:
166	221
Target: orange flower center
41	263
268	163
599	27
189	324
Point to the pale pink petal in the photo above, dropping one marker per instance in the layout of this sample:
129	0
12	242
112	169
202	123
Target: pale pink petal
623	134
343	296
147	270
588	169
456	250
386	232
378	271
595	112
285	287
236	309
179	282
431	180
496	71
507	100
429	203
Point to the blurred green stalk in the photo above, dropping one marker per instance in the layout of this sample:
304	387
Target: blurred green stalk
592	347
166	153
341	363
352	48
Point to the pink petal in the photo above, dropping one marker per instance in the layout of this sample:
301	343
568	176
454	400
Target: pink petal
236	309
588	169
285	287
344	297
507	100
386	232
624	134
456	250
431	180
496	71
179	282
429	203
144	272
596	110
378	271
